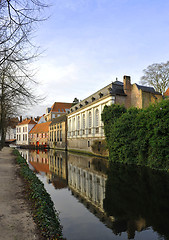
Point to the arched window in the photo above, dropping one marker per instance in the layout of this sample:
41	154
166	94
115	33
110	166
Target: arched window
90	122
83	124
78	122
70	125
83	121
90	119
97	118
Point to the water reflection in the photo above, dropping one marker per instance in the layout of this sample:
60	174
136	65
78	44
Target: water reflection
128	200
138	199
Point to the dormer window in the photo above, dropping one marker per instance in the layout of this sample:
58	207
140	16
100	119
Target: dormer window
110	89
86	102
81	105
71	110
93	99
76	108
100	94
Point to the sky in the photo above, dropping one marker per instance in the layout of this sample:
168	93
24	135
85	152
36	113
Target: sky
87	44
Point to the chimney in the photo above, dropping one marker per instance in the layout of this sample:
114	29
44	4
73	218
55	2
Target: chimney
20	119
127	90
127	83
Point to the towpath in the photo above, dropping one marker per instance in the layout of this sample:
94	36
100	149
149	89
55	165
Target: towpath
16	222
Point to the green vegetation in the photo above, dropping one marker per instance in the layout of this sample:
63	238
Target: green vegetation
44	213
138	136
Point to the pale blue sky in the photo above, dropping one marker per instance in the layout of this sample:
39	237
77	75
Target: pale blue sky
88	43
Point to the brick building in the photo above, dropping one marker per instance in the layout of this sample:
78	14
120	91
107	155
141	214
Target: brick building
39	135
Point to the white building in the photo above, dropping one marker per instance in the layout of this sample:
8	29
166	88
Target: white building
22	130
84	120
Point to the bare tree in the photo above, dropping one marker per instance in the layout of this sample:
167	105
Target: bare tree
17	22
157	76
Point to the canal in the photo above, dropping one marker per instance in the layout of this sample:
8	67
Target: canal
99	201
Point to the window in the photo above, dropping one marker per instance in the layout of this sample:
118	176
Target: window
90	119
70	125
57	135
78	122
61	135
97	121
83	123
97	117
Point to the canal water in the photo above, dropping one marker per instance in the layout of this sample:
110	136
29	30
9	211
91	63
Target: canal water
98	201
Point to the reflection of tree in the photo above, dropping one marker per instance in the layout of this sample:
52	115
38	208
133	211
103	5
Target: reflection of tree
137	198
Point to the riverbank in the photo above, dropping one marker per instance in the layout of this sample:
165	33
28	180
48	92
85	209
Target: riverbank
16	221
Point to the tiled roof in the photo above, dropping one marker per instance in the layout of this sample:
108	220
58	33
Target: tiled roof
41	128
27	121
166	94
146	89
60	107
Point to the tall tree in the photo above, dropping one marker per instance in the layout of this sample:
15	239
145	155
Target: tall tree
17	22
157	76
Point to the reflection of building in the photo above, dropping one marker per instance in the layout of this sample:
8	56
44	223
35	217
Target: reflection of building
57	109
58	132
39	161
58	168
83	179
25	154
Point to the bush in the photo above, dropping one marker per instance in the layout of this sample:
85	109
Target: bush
138	136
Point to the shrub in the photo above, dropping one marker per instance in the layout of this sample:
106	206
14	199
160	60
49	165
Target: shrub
138	136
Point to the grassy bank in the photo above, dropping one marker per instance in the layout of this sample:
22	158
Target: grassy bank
44	212
138	136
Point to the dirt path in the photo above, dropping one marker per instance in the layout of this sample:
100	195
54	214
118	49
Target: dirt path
16	222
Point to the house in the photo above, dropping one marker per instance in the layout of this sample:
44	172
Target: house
39	134
84	120
57	109
58	132
22	131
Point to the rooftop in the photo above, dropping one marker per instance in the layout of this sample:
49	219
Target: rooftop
41	128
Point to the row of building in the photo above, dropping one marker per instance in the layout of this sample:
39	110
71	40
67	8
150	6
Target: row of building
79	126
